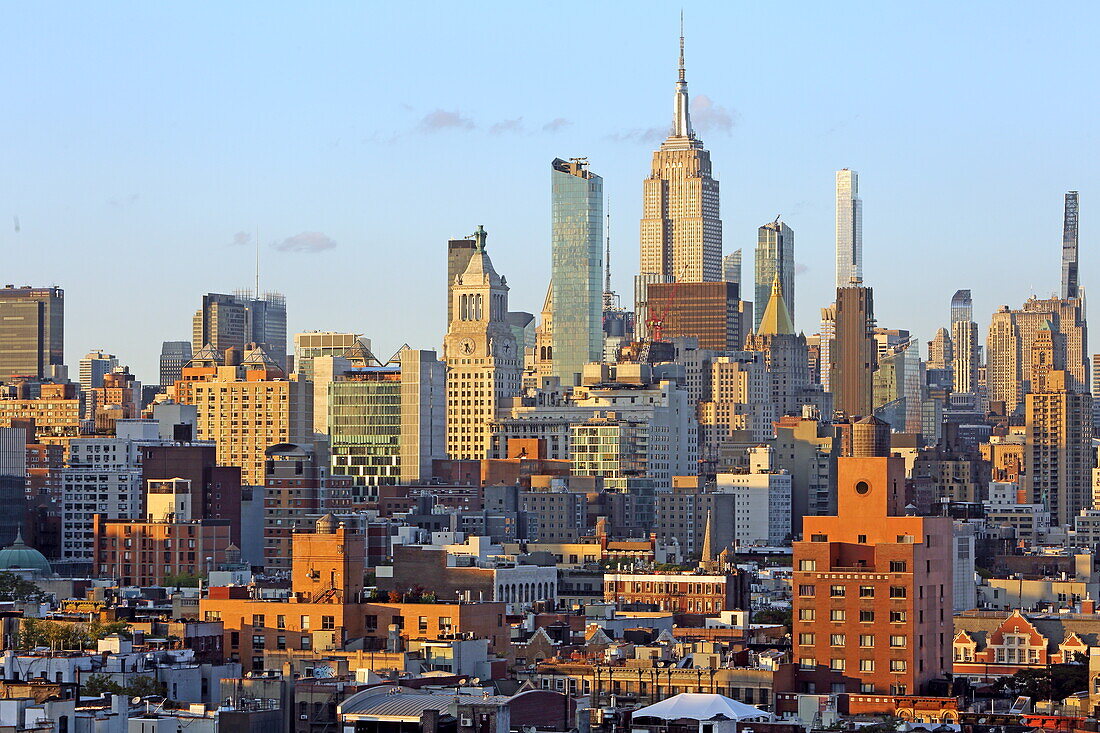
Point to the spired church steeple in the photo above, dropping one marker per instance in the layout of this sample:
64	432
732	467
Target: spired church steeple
484	365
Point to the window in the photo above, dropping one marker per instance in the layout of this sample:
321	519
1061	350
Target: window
258	620
807	662
836	665
445	624
867	687
897	566
866	591
280	642
257	641
422	624
806	590
837	614
897	591
305	623
306	642
866	665
836	640
836	591
897	665
328	623
866	640
866	616
897	641
807	564
819	538
370	622
280	622
806	639
807	614
861	539
897	617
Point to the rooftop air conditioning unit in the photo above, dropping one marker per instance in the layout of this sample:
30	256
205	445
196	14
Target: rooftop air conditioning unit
467	722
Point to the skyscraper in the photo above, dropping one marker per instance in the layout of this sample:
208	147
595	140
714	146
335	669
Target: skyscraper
576	243
774	256
1070	282
962	307
459	252
226	321
731	267
174	356
32	332
93	367
483	366
849	228
681	233
965	344
853	350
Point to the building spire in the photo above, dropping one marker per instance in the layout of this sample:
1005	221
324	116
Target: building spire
681	118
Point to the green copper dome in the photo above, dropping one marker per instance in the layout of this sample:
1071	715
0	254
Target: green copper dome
20	556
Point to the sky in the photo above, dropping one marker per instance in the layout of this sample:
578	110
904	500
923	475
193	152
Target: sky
148	145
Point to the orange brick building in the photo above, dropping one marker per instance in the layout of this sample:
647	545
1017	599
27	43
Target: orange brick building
327	607
873	588
146	553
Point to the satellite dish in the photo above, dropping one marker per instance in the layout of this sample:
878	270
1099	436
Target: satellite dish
135	700
475	681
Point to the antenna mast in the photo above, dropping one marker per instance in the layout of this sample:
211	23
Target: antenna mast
257	263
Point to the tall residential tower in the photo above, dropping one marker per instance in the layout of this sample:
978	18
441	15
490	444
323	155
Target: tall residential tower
1070	282
849	228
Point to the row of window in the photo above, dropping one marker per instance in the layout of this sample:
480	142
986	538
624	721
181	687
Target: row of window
897	641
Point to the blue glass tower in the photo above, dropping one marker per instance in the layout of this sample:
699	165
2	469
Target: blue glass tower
576	269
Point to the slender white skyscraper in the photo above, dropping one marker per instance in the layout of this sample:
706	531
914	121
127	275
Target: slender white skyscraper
849	228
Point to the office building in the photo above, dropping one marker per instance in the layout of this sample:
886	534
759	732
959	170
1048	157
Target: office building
824	346
32	332
897	388
849	229
873	588
1071	284
483	363
234	321
93	367
708	311
313	344
738	406
774	258
940	352
386	423
1058	457
174	356
681	232
576	244
731	268
853	351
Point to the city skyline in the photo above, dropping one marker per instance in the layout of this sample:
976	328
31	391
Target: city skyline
289	178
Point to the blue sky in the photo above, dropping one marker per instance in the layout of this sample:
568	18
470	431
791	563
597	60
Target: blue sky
143	140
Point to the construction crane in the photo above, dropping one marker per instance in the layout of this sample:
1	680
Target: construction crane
655	325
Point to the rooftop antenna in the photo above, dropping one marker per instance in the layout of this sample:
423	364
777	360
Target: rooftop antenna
257	263
607	257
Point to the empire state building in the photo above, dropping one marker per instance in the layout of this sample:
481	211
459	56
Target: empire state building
681	234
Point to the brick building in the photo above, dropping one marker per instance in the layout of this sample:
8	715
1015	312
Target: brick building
679	592
873	588
327	607
146	553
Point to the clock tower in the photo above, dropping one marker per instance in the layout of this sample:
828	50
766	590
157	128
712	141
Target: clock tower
484	365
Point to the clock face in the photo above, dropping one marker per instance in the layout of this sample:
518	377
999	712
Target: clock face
466	346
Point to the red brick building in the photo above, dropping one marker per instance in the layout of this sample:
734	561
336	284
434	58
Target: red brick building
873	588
147	553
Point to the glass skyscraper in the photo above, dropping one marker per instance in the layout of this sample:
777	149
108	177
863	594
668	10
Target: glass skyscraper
774	254
849	228
576	268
